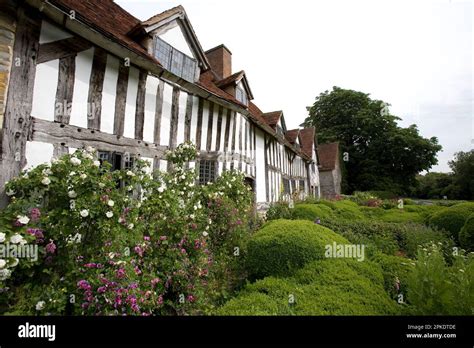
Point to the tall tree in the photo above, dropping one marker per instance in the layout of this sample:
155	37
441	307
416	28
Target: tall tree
382	155
463	173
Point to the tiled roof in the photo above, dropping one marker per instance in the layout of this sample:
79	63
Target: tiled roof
307	140
230	79
273	117
328	156
291	135
108	18
163	15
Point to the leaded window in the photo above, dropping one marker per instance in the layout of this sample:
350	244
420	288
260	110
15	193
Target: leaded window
241	96
286	186
207	171
175	61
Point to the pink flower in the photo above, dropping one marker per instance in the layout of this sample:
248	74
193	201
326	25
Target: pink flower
191	298
139	250
163	238
102	289
35	214
147	238
155	281
83	284
160	299
183	251
90	265
137	270
120	273
50	247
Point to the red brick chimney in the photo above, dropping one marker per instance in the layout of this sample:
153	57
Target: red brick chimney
220	58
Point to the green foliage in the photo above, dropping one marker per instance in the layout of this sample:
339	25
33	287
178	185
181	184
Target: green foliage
311	212
466	235
400	215
395	271
451	219
383	156
122	242
384	194
282	246
436	288
463	167
278	210
323	287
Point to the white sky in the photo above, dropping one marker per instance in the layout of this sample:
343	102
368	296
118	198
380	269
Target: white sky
416	55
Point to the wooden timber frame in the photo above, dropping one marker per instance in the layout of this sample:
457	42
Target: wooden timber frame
20	126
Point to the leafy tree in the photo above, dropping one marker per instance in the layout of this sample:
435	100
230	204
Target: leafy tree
463	169
382	155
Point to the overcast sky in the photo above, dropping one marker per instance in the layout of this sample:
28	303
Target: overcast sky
416	55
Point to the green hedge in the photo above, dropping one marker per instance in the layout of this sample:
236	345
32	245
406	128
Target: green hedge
283	246
451	219
400	215
394	268
311	212
466	235
323	287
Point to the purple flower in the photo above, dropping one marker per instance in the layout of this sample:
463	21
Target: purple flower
83	284
191	298
90	265
50	247
102	289
155	281
147	238
35	214
120	273
139	250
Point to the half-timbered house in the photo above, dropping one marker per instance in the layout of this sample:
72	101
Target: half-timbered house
79	73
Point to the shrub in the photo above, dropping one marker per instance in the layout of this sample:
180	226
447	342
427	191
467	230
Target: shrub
450	219
408	201
311	212
466	235
278	210
375	235
395	270
323	287
282	246
435	288
413	235
121	242
399	215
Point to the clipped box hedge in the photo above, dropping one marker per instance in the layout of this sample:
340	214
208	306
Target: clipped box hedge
322	287
452	219
466	235
283	246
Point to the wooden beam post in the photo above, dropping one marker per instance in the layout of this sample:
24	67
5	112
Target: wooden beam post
20	96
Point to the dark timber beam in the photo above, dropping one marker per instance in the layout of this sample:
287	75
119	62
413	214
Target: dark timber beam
61	49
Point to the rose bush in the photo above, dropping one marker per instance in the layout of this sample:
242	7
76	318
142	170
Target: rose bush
118	242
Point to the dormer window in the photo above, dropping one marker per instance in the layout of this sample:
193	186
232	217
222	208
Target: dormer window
175	61
241	96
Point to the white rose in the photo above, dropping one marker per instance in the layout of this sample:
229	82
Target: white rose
2	263
75	161
46	181
110	203
88	156
101	185
22	219
205	234
130	226
191	216
72	173
109	214
10	192
161	189
47	171
72	194
72	205
2	237
40	305
83	176
90	149
130	173
97	163
84	213
16	238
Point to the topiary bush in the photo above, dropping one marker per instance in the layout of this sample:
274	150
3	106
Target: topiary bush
399	215
282	246
466	235
311	212
450	219
395	271
323	287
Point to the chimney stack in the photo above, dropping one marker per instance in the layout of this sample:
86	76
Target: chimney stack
220	58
